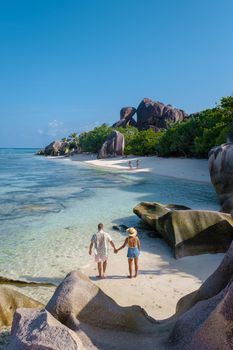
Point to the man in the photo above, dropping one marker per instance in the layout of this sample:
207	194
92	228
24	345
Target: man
101	240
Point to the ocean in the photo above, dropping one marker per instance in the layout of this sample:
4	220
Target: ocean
49	209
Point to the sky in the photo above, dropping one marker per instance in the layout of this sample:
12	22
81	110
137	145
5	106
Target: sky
68	66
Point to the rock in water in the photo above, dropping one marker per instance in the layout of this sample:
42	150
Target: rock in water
38	330
188	232
126	118
10	300
113	146
56	148
156	115
221	173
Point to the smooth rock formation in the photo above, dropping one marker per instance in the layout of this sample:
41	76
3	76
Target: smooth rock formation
188	232
204	319
156	115
39	330
126	118
56	148
221	173
10	300
113	146
77	300
206	316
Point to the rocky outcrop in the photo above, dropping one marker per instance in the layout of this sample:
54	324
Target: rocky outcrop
39	330
156	115
113	146
221	173
90	320
188	232
126	118
56	148
10	300
78	300
205	317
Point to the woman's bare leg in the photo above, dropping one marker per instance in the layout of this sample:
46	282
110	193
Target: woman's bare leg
130	268
136	266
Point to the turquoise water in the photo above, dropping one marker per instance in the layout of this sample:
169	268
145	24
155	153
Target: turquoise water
49	208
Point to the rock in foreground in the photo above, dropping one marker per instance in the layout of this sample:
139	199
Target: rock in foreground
10	300
204	319
78	300
188	232
39	330
221	173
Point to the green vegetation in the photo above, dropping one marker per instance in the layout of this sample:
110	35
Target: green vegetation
199	133
191	138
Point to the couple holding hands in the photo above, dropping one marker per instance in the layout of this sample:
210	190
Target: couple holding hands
101	240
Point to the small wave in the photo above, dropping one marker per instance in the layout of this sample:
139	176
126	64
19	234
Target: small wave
5	280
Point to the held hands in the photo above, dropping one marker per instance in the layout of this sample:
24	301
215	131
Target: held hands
115	251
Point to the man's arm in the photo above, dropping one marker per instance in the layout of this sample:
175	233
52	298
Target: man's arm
90	248
113	245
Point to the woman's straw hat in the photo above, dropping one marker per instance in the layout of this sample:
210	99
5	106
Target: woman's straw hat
132	232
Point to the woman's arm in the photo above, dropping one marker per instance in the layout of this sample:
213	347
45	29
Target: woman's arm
138	243
123	245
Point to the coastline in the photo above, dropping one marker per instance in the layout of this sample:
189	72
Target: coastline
162	279
180	168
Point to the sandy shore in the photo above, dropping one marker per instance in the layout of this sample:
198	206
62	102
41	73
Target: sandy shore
162	280
182	168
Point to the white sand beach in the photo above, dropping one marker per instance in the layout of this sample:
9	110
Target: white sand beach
181	168
162	280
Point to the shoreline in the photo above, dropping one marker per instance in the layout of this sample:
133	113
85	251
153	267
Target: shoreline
191	169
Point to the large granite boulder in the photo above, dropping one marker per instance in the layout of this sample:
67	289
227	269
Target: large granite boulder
39	330
126	118
77	300
10	300
113	146
188	232
56	148
205	317
221	173
156	115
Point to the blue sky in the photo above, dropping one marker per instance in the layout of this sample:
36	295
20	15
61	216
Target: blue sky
70	65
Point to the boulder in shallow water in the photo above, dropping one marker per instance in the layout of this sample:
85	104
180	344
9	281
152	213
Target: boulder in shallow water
10	300
113	146
56	148
221	173
188	232
39	330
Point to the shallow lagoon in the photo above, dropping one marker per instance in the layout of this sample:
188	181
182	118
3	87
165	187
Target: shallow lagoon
49	208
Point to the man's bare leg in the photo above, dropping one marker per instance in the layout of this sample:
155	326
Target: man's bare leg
99	264
104	268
